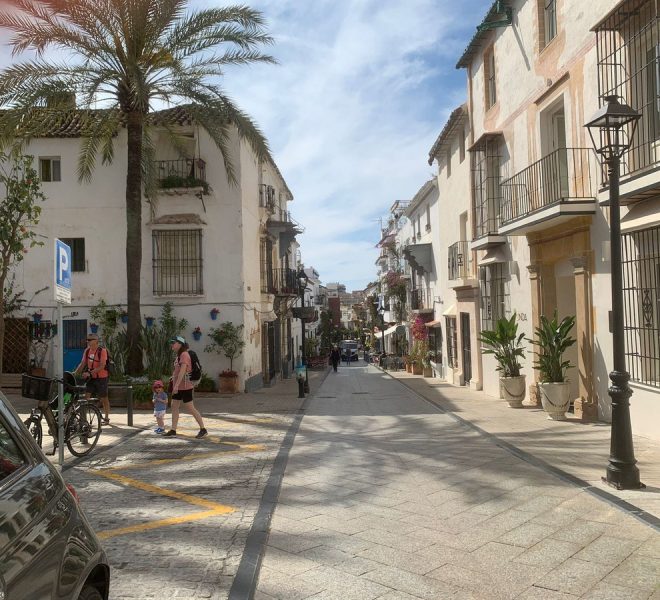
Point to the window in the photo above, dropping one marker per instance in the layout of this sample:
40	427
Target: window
11	458
487	192
77	246
50	169
419	226
489	77
547	10
494	291
428	218
461	145
641	297
652	69
448	162
177	262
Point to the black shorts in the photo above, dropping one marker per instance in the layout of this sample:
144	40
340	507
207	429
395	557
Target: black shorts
183	395
97	387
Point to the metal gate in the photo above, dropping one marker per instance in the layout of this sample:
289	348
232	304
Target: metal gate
465	347
75	342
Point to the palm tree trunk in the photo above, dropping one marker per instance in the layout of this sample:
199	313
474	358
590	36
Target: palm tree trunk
135	124
2	323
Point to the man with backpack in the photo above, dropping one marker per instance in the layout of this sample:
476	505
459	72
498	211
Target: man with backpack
94	368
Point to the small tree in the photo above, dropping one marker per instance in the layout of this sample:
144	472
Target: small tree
19	212
228	340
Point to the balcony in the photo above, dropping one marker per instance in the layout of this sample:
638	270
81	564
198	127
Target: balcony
267	198
629	67
549	192
421	300
285	282
182	176
460	272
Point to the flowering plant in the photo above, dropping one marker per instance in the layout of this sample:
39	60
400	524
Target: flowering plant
228	373
419	330
197	329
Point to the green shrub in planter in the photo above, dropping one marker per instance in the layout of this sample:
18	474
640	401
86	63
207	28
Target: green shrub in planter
142	394
206	384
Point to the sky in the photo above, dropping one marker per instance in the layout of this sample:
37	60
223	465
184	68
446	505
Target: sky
361	91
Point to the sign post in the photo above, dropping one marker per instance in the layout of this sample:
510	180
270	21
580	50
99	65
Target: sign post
62	296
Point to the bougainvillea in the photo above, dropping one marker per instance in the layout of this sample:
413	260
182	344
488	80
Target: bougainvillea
419	331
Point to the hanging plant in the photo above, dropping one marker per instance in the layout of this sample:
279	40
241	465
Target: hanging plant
214	313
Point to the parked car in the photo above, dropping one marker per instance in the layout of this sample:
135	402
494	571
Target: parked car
349	350
48	550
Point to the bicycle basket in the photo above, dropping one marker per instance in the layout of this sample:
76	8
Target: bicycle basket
37	388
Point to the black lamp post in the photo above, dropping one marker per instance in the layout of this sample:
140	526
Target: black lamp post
380	309
610	127
303	281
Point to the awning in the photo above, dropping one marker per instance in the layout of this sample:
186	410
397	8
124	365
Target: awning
420	256
641	216
450	312
492	256
436	323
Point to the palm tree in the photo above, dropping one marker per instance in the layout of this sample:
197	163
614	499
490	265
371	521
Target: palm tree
129	56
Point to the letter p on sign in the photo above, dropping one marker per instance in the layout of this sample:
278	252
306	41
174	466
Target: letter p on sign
62	272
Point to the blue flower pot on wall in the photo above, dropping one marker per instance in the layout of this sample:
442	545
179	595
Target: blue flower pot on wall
93	327
150	321
197	335
36	318
124	318
214	314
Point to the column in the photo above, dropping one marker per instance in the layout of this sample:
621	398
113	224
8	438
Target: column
586	406
536	289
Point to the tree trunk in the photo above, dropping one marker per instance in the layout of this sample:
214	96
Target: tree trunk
135	124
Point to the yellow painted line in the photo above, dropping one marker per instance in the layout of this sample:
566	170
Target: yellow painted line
104	535
165	461
154	489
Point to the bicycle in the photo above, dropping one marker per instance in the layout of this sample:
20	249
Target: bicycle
82	418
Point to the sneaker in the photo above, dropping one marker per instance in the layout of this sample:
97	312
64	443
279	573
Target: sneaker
170	433
105	421
202	432
159	430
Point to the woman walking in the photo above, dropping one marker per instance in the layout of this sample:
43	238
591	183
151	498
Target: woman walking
182	387
335	357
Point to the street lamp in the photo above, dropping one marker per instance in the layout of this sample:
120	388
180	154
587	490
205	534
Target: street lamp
609	126
380	309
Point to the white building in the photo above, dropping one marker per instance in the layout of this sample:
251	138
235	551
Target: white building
205	244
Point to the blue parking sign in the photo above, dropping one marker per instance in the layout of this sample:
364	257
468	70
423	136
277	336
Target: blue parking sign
62	272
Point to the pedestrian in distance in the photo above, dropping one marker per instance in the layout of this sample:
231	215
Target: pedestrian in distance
93	367
335	357
159	399
182	387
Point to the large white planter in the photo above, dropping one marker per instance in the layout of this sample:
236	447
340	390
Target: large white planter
513	390
555	398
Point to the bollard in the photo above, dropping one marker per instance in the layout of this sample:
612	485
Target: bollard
301	386
129	405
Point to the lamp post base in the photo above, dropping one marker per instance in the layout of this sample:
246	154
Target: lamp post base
620	485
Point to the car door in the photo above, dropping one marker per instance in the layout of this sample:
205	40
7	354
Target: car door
33	518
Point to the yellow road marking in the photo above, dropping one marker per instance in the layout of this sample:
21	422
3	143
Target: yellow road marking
148	487
104	535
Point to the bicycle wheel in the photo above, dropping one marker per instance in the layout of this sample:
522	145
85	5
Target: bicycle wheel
33	424
83	428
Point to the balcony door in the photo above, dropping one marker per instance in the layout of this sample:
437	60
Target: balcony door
553	141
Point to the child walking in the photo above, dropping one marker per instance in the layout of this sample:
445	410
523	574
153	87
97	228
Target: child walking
160	405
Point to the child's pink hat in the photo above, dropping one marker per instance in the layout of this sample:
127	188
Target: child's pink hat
157	383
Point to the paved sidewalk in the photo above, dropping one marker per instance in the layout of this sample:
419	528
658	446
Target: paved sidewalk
580	449
386	497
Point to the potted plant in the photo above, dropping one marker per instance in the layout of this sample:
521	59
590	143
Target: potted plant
228	340
93	327
197	334
426	363
505	344
37	316
214	313
149	321
123	316
553	338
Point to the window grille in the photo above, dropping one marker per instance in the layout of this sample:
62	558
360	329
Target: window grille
641	290
77	246
452	342
549	21
495	294
177	262
628	55
486	180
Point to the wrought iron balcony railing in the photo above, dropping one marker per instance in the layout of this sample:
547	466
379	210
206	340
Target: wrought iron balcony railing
459	261
561	176
421	299
267	197
181	173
